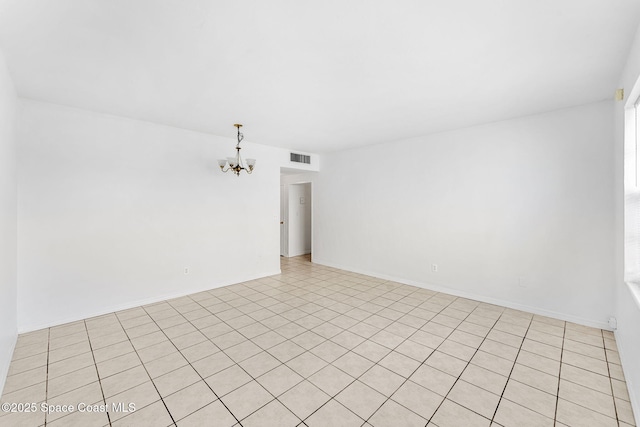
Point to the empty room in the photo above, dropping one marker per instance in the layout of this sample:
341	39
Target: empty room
367	213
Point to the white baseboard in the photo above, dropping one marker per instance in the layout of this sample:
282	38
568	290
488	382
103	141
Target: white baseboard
452	291
137	303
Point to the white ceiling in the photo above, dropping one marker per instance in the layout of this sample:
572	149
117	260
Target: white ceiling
317	76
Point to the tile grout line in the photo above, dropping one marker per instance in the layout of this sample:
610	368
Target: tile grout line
377	364
135	350
207	339
286	339
246	339
329	339
606	360
198	373
251	376
104	399
530	322
210	340
465	368
515	361
339	314
420	363
84	385
347	352
555	413
592	389
337	291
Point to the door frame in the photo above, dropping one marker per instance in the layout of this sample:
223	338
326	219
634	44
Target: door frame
284	220
284	216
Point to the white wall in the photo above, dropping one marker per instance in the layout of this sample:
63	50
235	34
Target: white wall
112	210
627	309
8	233
518	212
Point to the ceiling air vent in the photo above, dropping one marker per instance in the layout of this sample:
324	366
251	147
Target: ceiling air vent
300	158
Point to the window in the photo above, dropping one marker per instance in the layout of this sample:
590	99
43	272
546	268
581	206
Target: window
632	191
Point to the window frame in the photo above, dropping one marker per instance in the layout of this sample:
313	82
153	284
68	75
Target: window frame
632	192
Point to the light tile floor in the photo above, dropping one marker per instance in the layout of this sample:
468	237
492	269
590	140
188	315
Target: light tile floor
320	347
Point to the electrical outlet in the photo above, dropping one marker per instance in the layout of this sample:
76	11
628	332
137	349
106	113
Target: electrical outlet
186	270
525	282
434	268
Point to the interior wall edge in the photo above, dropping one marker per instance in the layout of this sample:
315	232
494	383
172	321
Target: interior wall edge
8	220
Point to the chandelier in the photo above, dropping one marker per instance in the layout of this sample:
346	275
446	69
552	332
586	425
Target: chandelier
235	163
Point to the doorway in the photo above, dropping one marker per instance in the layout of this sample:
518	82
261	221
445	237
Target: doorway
295	219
